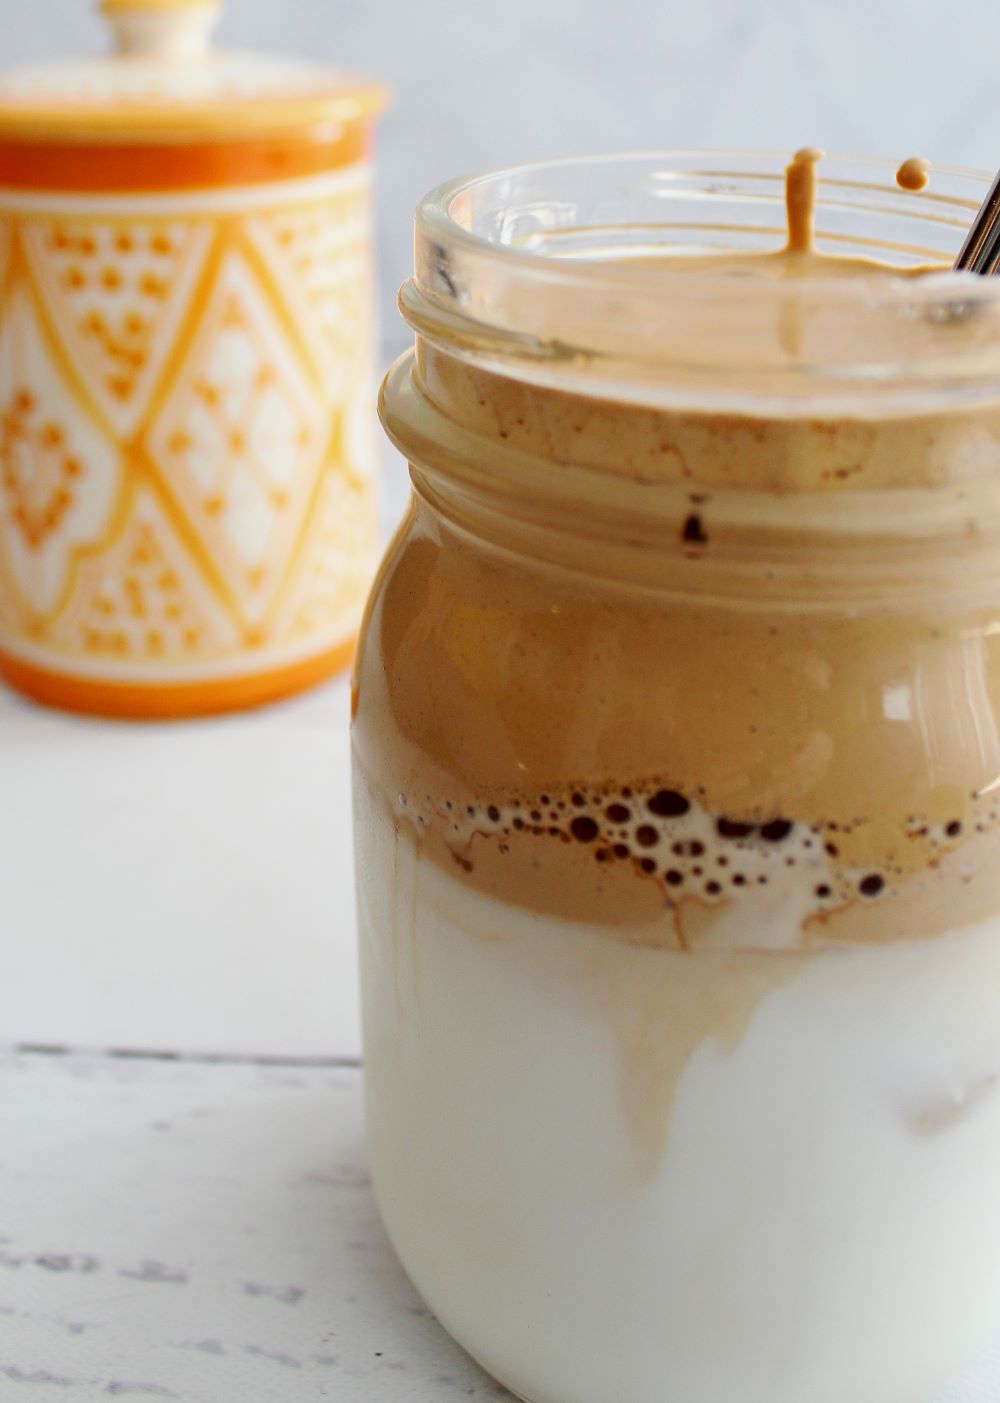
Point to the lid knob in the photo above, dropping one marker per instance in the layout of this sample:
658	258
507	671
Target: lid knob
162	29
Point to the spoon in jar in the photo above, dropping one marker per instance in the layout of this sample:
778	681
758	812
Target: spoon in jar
981	250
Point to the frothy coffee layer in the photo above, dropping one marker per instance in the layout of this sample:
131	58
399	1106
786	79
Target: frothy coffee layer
672	873
498	678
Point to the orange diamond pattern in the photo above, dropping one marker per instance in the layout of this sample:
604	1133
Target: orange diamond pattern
117	293
337	567
182	490
322	253
142	602
59	475
240	441
38	471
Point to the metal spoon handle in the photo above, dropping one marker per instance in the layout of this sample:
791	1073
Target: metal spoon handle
981	250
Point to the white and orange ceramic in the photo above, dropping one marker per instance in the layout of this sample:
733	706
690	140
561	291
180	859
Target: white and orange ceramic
187	513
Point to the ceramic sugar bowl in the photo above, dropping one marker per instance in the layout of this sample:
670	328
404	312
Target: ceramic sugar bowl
186	499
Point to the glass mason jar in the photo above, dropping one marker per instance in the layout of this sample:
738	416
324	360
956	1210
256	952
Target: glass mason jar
677	770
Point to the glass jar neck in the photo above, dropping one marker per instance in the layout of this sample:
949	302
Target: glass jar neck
588	372
731	506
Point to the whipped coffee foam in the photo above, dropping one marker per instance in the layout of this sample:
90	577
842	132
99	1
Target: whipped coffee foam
696	860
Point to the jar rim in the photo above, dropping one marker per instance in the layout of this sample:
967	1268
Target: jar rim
953	207
495	252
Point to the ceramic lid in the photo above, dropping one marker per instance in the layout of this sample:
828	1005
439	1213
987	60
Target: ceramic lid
164	81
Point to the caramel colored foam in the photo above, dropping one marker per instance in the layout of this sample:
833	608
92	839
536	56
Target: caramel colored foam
513	662
913	174
487	684
800	199
509	678
717	451
652	864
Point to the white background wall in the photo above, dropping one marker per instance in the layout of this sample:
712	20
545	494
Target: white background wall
486	82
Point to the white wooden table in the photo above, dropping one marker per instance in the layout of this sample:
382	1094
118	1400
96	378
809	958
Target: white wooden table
184	1206
201	1231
